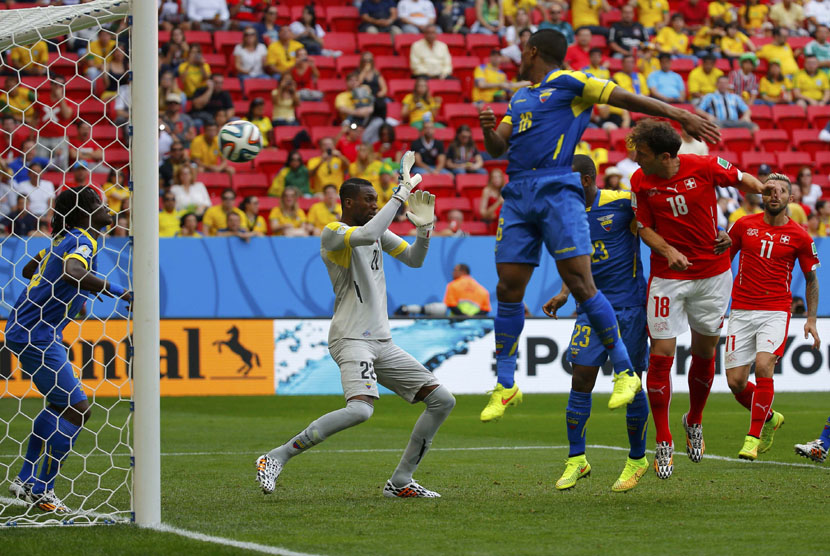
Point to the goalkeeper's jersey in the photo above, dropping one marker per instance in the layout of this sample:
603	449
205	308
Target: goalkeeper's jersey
359	284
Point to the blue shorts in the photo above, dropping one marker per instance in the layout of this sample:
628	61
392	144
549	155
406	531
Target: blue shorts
51	371
586	348
542	207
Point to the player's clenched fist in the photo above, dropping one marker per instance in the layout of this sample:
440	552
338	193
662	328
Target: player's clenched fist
487	119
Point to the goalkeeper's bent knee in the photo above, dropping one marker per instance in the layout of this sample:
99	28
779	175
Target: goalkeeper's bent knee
358	412
440	401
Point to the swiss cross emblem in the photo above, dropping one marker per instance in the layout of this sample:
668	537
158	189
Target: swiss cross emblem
752	232
690	183
785	239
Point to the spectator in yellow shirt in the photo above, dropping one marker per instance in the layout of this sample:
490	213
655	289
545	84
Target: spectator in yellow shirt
188	224
585	13
630	79
99	52
510	7
418	103
703	79
216	217
204	151
735	43
750	205
365	166
779	50
652	14
328	168
31	60
17	101
282	54
388	181
169	217
811	87
648	62
722	10
326	211
289	219
672	38
252	221
490	83
774	88
753	15
194	72
597	67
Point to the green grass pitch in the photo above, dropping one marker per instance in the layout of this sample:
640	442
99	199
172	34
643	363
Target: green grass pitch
496	481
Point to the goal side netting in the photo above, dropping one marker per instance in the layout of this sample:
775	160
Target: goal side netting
65	99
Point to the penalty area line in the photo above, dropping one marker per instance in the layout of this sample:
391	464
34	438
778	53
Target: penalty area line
252	546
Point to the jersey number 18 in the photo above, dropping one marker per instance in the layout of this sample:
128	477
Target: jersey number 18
678	205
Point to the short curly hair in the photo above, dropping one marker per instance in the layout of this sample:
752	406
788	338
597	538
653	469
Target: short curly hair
658	135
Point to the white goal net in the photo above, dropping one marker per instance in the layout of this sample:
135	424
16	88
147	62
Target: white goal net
65	97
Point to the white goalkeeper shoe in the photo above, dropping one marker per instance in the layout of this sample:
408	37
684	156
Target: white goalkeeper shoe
49	502
267	471
21	491
412	490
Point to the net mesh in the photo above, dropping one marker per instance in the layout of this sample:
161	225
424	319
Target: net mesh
65	107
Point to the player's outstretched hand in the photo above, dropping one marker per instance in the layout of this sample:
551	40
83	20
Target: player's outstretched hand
422	212
487	119
722	243
554	304
810	328
677	260
406	182
702	129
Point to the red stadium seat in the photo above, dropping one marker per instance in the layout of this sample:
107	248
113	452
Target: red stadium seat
762	115
471	186
326	66
330	89
117	157
266	204
218	63
475	228
481	45
225	41
323	131
463	68
729	156
215	182
599	41
78	88
737	139
724	65
606	19
344	42
283	15
455	42
818	116
478	137
346	64
400	228
791	163
406	134
613	158
445	134
597	138
305	203
441	185
772	140
806	140
683	67
202	38
250	184
378	44
500	163
617	139
751	160
392	67
343	18
284	136
260	87
443	205
788	116
271	161
403	42
393	110
458	114
313	114
399	88
234	88
823	162
308	154
449	90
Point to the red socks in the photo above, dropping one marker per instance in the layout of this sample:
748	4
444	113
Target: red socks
658	386
701	375
745	396
761	405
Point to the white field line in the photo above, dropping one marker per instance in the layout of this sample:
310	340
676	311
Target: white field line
255	547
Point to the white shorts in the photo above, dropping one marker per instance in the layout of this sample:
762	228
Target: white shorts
752	331
675	305
365	363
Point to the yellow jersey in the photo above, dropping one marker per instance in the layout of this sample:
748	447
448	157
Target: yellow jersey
510	7
169	223
207	154
332	172
419	108
703	83
797	214
632	84
490	75
319	215
812	87
668	40
599	73
22	56
283	58
585	12
215	219
652	12
783	53
648	65
773	89
370	173
757	15
740	212
97	52
295	221
255	225
193	77
734	46
723	10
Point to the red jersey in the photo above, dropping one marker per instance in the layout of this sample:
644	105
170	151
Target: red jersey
683	210
577	58
51	122
768	255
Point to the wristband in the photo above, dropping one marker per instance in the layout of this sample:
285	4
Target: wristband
115	289
720	229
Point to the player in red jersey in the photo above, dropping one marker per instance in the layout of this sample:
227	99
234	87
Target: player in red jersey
690	280
770	244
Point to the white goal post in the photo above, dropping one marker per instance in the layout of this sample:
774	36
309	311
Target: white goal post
26	27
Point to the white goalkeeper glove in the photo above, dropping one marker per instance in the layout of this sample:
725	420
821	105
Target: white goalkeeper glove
406	182
422	212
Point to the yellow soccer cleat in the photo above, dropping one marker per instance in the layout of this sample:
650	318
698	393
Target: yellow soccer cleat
626	386
768	432
576	468
500	399
750	449
630	476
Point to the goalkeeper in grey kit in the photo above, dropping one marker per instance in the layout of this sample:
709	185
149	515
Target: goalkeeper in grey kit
359	338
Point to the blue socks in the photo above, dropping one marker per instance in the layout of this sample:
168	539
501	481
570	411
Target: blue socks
825	434
509	322
604	322
576	417
636	420
59	435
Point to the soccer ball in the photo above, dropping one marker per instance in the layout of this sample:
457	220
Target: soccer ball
240	141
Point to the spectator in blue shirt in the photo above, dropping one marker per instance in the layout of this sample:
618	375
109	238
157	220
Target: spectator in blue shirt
726	108
665	84
554	21
379	16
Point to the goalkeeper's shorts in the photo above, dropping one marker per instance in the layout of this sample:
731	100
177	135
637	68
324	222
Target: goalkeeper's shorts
51	371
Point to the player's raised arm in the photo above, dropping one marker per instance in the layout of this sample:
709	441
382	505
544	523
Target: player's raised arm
422	215
33	264
496	135
699	128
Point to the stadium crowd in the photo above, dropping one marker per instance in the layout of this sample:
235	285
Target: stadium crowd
342	89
